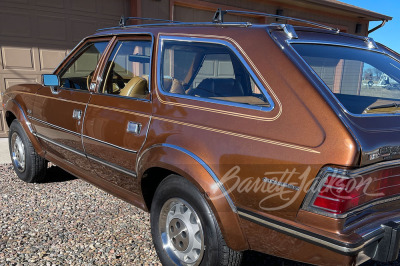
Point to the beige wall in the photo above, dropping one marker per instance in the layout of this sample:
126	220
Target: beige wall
202	10
35	35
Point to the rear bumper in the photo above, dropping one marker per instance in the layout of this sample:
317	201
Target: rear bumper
381	243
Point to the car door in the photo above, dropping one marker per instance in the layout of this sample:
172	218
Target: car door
119	113
58	111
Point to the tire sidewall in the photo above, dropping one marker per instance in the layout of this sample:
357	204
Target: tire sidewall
26	174
177	187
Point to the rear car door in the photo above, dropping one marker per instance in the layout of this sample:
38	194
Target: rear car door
119	113
58	111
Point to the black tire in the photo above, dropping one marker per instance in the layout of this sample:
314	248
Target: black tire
177	189
31	169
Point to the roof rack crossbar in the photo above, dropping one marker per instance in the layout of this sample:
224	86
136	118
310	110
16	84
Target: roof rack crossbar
123	20
219	18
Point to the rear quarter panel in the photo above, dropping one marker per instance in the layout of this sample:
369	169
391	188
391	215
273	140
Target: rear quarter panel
242	146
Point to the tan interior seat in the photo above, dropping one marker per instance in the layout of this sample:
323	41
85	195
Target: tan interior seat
146	77
136	87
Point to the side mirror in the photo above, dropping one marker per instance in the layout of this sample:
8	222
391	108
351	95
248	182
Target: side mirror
50	80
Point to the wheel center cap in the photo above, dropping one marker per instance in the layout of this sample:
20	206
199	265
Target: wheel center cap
178	234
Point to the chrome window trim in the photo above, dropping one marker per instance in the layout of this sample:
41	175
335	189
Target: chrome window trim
331	43
323	84
123	97
201	99
72	51
150	64
109	144
201	162
317	185
71	89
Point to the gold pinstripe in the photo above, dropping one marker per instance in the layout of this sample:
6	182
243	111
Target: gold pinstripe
229	133
119	110
50	97
273	142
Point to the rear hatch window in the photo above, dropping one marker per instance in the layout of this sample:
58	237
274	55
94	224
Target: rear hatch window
363	81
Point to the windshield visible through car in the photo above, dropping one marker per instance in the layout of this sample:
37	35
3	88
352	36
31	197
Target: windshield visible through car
365	82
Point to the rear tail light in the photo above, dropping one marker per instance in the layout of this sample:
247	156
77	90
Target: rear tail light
337	191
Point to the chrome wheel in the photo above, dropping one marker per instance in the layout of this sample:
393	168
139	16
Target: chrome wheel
181	232
18	152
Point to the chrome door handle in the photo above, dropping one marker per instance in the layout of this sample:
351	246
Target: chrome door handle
133	127
77	114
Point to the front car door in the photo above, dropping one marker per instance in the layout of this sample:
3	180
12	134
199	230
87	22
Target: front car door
118	115
58	111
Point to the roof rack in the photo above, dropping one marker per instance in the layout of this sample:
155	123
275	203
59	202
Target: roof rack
234	24
219	18
123	20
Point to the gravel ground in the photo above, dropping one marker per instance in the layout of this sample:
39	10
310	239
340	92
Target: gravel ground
70	222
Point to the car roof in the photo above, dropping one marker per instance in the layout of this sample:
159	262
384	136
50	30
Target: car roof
231	30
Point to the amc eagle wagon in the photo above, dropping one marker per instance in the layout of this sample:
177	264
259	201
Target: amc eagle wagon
276	138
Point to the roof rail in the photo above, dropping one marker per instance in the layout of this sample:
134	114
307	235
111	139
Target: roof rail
219	18
233	24
123	20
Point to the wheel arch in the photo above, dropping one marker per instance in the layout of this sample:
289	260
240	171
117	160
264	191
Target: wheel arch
14	111
158	161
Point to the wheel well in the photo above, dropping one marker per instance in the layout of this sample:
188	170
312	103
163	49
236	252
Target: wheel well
151	179
9	118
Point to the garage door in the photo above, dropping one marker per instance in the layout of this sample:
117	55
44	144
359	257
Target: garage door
35	35
201	14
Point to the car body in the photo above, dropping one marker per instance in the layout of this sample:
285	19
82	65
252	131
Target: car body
244	115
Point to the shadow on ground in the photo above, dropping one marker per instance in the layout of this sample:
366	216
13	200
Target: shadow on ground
56	174
256	258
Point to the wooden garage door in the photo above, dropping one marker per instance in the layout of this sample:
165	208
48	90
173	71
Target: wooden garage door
183	11
35	35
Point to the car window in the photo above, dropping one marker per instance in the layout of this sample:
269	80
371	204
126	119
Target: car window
127	70
208	70
363	81
78	73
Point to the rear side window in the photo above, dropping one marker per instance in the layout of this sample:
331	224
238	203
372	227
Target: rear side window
208	71
363	81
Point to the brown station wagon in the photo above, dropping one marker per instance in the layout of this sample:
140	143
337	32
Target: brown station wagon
276	138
